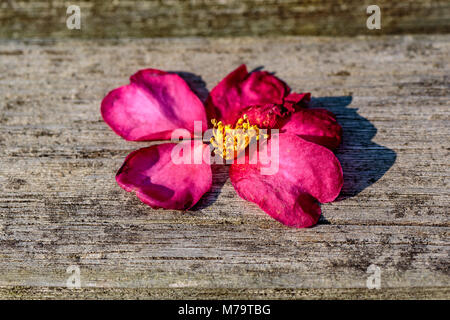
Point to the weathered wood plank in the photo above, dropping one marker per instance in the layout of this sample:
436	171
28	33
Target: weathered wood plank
60	205
179	18
221	294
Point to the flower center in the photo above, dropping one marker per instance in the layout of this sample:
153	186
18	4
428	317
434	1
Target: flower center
229	141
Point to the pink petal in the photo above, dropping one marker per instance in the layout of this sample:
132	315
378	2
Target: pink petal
271	116
294	101
241	89
315	125
161	183
306	171
153	105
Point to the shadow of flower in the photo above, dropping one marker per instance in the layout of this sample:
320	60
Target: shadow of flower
363	161
196	83
220	176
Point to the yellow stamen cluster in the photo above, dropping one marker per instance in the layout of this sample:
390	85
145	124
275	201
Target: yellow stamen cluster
229	141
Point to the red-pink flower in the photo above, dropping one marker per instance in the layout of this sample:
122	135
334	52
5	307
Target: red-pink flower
156	103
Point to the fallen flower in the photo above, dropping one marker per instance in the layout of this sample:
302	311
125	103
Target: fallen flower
156	103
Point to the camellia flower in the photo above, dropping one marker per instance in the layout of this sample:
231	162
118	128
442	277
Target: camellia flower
156	103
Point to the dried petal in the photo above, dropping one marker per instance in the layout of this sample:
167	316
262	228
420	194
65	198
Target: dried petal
306	171
241	89
315	125
153	105
161	183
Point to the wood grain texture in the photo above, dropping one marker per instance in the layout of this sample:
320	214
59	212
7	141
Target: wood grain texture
179	18
60	205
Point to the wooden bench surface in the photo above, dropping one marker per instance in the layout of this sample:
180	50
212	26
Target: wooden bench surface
60	204
218	18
